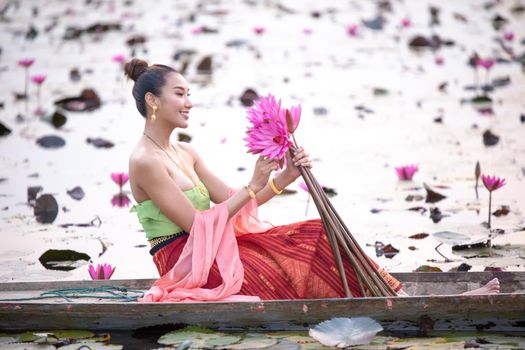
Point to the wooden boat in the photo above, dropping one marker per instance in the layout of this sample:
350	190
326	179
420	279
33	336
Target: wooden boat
444	310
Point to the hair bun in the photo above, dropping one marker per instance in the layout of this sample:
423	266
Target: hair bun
134	68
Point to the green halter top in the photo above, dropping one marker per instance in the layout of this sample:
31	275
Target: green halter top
156	224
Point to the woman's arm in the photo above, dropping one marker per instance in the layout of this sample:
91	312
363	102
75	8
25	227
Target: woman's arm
287	176
153	178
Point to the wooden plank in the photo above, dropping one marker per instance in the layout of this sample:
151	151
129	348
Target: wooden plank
507	279
504	312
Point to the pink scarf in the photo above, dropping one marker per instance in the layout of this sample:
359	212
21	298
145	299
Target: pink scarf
212	238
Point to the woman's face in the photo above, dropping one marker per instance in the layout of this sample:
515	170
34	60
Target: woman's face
174	103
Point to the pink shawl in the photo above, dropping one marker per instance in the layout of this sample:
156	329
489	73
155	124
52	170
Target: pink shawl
212	238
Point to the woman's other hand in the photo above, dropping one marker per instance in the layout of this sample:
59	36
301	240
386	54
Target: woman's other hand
300	158
261	174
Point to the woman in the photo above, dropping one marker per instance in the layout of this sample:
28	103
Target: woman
197	249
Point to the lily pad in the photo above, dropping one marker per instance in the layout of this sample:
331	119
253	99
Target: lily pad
419	236
428	268
63	260
100	143
76	193
28	346
91	346
46	209
4	130
51	141
253	341
433	196
490	139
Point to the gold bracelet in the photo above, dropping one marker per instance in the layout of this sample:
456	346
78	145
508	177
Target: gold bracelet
271	182
250	191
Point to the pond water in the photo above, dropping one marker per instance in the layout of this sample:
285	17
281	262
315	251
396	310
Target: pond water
370	103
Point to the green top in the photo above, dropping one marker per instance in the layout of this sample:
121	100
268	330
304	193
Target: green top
156	224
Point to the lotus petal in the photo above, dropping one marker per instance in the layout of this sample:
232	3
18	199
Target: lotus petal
343	332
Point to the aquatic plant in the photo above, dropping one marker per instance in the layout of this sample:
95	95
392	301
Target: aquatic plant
352	30
270	127
406	172
26	63
101	272
492	183
39	80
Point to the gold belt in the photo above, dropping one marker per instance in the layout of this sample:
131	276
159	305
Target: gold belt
157	240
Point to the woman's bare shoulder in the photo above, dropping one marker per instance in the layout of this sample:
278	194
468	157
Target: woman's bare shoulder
141	158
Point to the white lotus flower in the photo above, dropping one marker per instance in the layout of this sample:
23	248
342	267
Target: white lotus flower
343	332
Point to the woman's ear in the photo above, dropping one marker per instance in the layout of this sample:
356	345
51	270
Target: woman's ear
151	100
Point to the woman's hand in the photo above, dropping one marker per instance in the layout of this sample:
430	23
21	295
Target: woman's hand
263	168
300	158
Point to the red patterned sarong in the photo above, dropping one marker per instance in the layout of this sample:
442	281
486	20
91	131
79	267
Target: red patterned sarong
292	261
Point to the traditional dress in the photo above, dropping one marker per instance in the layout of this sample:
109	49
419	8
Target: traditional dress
292	261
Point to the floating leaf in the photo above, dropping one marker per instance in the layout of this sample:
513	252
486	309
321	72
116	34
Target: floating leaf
45	209
461	268
188	333
86	102
253	341
343	332
390	251
432	196
99	142
91	346
76	193
248	97
32	192
436	215
419	236
57	259
183	137
27	346
205	66
504	210
4	130
51	141
427	268
451	238
490	139
330	192
58	119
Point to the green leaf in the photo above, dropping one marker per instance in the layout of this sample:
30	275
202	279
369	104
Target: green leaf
253	341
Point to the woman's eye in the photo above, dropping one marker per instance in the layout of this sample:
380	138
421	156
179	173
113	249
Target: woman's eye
179	94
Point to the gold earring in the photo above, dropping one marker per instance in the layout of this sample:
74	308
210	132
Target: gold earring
153	116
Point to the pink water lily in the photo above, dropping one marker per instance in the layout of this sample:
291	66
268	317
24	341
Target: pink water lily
38	79
198	30
405	22
509	36
120	200
26	62
406	172
259	30
118	58
270	127
352	30
486	63
303	186
492	183
291	117
102	272
307	31
120	178
439	60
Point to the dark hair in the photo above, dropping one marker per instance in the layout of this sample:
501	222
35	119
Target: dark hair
147	79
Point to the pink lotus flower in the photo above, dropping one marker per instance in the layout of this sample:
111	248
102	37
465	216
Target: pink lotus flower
291	117
352	30
102	272
120	178
406	172
120	200
198	30
303	186
259	30
118	58
492	183
439	60
509	36
405	22
271	126
307	31
38	79
486	63
26	62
